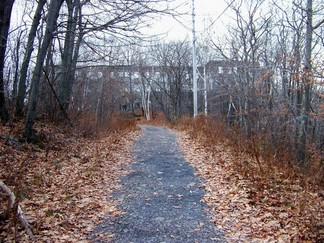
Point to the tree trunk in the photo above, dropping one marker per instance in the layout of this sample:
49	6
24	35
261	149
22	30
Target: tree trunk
99	103
24	67
67	80
19	212
53	13
16	72
5	14
303	125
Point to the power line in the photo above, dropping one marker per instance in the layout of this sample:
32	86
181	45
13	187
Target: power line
221	14
218	17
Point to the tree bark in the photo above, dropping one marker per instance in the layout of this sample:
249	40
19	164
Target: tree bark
19	211
67	80
307	76
53	13
5	14
16	72
24	67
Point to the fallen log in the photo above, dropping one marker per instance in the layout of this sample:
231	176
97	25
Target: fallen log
19	211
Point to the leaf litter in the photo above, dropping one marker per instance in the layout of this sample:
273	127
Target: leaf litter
64	188
250	207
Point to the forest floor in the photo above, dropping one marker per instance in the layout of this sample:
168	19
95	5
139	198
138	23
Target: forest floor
253	198
65	184
253	207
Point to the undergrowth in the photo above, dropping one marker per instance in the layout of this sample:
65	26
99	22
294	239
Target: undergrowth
89	127
212	131
275	180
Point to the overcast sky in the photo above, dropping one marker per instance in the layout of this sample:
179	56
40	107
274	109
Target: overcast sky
207	11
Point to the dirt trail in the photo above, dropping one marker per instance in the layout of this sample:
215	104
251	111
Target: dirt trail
160	198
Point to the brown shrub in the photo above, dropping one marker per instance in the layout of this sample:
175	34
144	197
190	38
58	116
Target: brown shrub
268	157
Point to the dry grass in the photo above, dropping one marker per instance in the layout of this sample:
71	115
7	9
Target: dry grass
255	195
212	132
158	120
88	126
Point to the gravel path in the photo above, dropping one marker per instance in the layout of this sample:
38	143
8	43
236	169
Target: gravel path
160	198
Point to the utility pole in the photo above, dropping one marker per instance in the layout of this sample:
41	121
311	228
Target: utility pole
205	89
194	62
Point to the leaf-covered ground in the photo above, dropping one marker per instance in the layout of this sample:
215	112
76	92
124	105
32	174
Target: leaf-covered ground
64	182
254	208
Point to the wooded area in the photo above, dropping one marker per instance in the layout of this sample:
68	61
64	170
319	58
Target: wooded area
81	63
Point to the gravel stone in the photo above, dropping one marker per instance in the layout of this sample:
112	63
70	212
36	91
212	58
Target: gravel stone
161	197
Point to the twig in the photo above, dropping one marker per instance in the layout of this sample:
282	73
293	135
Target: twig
57	98
19	211
256	154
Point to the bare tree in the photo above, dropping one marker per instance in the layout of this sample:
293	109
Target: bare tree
170	89
272	93
307	80
26	60
146	76
52	16
5	14
15	60
245	43
68	67
93	24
